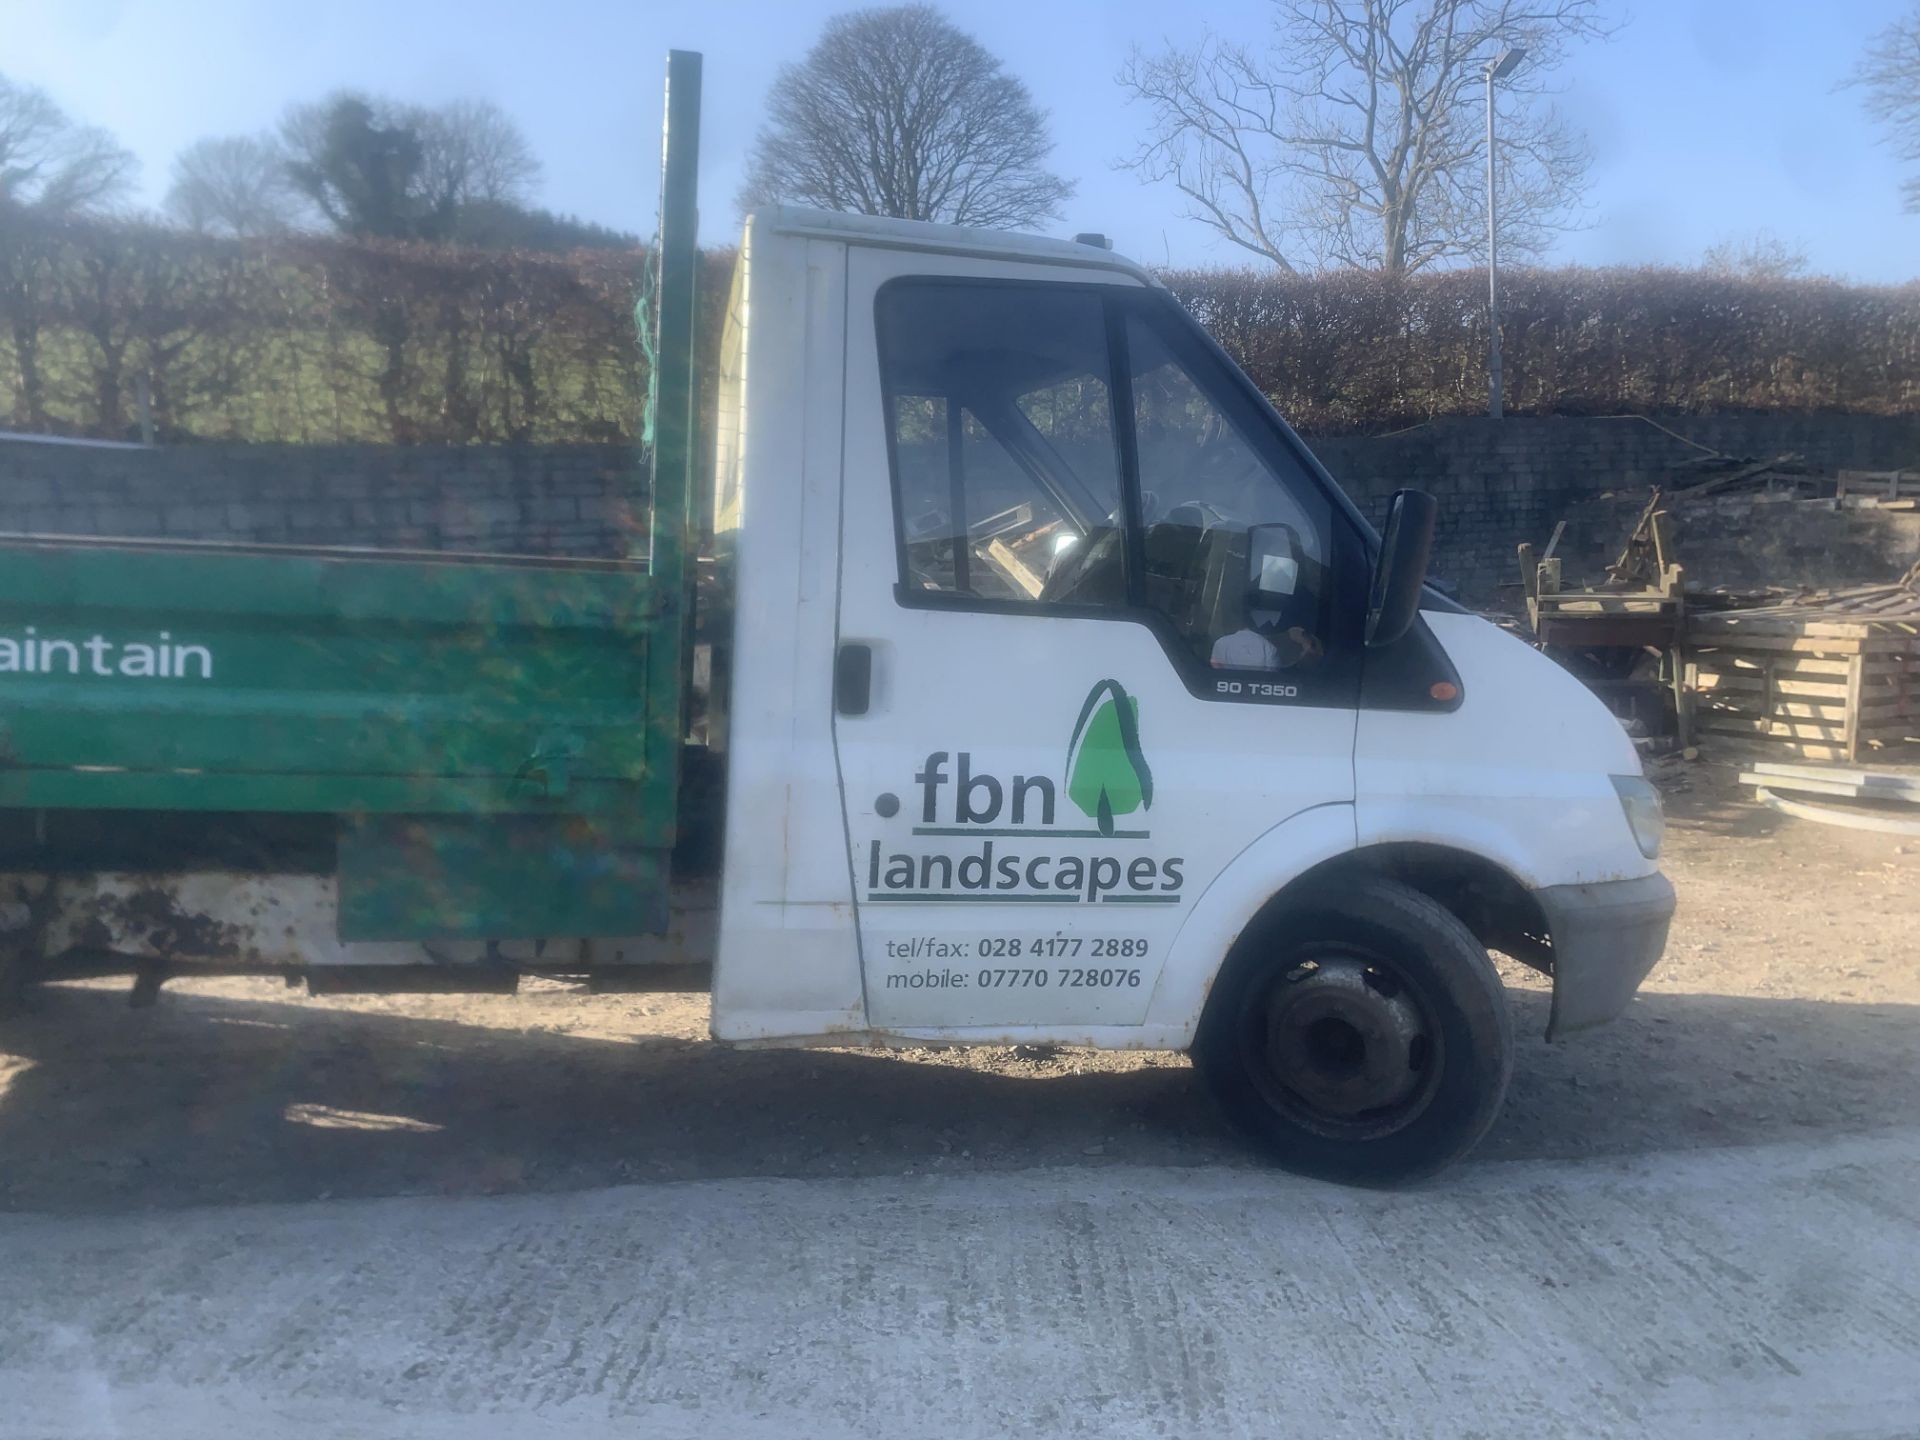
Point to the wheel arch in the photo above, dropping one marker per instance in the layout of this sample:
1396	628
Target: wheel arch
1486	897
1494	904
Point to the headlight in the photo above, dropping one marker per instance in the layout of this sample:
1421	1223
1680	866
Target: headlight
1645	817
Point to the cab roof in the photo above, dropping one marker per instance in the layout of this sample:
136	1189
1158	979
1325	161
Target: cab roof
878	231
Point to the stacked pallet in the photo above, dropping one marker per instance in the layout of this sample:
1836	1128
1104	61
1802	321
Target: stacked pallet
1888	489
1832	677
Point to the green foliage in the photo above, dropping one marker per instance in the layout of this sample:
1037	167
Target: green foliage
367	177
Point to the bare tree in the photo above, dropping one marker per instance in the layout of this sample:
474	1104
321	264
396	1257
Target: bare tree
1357	138
52	163
51	169
471	150
896	112
1890	74
1760	256
234	185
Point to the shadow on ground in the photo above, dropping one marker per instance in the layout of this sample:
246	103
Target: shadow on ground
216	1100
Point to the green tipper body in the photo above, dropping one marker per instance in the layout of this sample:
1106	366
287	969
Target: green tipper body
499	739
486	730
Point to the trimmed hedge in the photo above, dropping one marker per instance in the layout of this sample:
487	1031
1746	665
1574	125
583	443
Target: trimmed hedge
309	339
1354	350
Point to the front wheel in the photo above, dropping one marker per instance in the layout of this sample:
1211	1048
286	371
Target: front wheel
1361	1035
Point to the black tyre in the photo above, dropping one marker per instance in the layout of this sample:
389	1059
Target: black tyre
1362	1035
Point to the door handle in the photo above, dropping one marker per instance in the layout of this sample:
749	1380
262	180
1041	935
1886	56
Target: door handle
853	679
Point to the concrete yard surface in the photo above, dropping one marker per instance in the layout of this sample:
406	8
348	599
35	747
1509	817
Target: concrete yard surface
248	1212
1759	1291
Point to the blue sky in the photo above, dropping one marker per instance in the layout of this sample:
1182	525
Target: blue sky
1709	119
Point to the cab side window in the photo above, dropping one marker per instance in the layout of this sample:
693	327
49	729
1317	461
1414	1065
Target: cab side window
1006	465
1012	484
1235	538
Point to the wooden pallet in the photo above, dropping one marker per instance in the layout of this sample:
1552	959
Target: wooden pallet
1895	487
1832	678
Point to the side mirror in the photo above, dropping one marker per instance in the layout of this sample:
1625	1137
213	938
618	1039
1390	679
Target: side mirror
1393	600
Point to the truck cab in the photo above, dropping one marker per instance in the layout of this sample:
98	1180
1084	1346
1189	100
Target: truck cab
1065	707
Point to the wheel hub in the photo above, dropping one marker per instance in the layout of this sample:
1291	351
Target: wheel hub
1346	1037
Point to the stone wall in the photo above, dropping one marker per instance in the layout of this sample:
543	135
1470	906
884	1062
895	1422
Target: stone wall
549	500
1747	542
1498	482
1501	482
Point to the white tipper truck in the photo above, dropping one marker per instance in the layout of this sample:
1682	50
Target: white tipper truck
1056	693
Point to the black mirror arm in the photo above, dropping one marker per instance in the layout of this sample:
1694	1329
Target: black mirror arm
1400	572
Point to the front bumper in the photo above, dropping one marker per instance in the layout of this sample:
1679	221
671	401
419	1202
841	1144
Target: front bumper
1606	937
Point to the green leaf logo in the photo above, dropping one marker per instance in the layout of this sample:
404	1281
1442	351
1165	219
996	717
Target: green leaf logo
1106	773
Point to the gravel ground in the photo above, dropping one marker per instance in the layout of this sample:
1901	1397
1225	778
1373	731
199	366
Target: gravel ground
1786	1009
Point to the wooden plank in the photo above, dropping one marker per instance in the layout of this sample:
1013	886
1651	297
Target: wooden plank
1891	730
1886	679
1893	712
1583	631
1785	664
1873	689
1800	645
1796	730
1805	749
1808	730
1903	708
1011	565
1660	527
1579	603
1856	681
1715	629
1807	710
1836	689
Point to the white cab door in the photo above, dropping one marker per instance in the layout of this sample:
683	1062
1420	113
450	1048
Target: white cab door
1092	640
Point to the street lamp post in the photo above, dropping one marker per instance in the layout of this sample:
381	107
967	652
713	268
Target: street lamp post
1498	68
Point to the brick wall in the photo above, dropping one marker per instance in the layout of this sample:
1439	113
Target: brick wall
1498	483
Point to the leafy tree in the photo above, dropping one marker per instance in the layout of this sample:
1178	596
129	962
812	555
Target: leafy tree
362	170
896	112
1357	137
377	169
